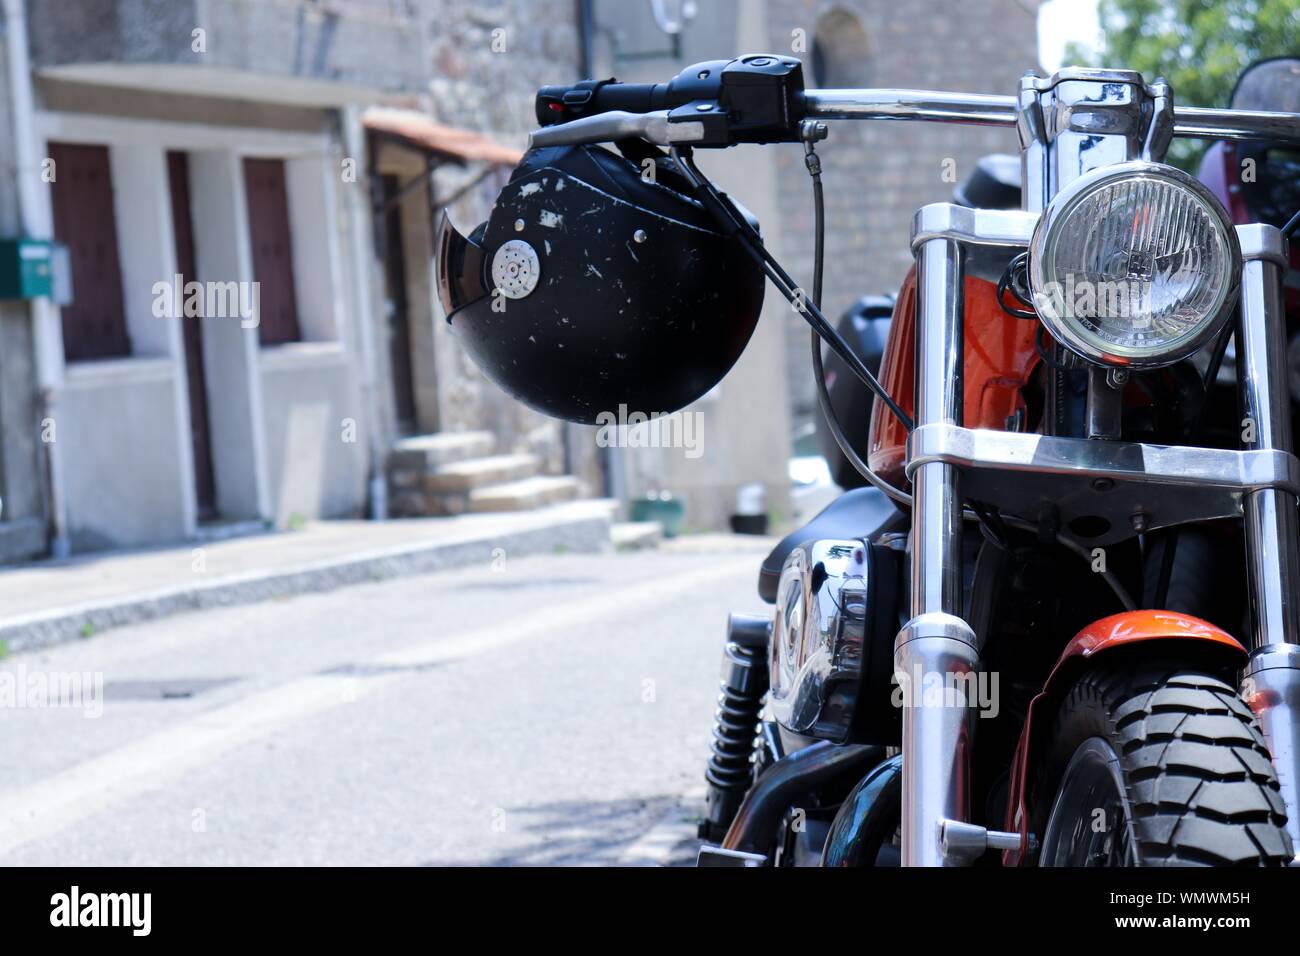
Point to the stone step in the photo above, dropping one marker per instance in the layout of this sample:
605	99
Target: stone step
411	458
636	535
528	493
476	472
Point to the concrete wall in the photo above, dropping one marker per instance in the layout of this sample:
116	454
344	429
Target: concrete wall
278	416
290	429
236	427
22	483
245	44
121	447
316	456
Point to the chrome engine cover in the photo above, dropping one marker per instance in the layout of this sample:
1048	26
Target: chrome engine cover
816	652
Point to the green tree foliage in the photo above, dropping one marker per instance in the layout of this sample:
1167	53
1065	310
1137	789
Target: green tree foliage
1199	46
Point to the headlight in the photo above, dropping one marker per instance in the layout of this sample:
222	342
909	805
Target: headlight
1134	264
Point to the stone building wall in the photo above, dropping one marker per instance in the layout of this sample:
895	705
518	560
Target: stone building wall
876	175
486	62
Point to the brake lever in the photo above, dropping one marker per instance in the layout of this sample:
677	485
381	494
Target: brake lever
615	125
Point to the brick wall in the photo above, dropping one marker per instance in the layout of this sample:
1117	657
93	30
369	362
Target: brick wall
877	174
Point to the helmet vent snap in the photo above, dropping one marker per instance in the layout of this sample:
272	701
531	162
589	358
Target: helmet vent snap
516	269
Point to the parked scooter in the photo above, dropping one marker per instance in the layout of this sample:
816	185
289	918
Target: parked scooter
1059	625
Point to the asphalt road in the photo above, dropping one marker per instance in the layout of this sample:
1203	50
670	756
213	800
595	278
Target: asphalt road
549	710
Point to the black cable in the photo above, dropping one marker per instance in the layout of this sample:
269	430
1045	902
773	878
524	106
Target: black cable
1212	370
733	221
814	165
1167	553
819	370
1040	346
1007	282
1291	226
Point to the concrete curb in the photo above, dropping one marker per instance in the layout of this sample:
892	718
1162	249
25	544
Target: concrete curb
584	533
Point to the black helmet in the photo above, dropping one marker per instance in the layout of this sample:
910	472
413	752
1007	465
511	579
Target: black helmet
590	287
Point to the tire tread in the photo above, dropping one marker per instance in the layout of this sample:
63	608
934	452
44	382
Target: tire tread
1201	787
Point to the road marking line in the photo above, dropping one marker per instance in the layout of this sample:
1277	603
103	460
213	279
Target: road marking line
62	799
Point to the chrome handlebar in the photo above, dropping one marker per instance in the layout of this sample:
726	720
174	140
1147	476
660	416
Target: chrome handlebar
972	109
975	109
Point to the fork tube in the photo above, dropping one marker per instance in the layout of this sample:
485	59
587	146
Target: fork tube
1271	525
1272	678
936	518
936	642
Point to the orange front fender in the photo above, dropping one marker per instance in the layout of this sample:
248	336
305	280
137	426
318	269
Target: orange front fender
1107	634
1132	627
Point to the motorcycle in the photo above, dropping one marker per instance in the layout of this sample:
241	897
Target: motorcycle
1030	638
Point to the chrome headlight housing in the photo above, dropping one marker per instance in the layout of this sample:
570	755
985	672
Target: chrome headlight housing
1135	264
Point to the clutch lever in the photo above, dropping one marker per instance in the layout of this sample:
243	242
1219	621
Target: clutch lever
615	125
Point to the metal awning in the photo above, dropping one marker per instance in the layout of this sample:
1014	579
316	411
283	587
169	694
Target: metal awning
448	143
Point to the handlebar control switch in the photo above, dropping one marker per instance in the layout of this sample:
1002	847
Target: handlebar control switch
763	97
752	99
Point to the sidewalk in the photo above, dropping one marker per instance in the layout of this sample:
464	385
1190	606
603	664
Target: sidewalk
50	602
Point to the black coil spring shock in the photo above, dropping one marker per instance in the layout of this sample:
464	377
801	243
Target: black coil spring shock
735	727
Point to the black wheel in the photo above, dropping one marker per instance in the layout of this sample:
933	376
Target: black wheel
1157	766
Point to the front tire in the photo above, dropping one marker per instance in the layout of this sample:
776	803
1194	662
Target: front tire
1157	766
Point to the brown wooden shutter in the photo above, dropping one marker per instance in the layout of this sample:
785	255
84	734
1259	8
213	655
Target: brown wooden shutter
94	324
205	488
268	227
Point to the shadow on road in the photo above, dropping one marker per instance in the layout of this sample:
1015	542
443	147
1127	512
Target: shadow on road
579	833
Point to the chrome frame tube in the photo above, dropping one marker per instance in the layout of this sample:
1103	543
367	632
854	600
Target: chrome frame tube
936	642
1271	683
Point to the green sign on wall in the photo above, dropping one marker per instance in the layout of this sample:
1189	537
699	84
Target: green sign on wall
29	268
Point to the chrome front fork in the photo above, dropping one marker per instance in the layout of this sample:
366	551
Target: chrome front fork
1271	682
938	645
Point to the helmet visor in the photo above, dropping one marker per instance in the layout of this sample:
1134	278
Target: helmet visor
459	267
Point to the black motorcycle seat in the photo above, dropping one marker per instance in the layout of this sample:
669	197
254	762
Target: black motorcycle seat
860	513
